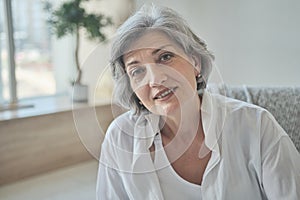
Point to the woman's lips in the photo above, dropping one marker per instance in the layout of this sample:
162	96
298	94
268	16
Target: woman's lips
164	94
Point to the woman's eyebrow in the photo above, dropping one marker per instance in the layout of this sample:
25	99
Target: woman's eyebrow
131	63
160	48
155	51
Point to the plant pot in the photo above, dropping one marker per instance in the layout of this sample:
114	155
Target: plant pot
79	93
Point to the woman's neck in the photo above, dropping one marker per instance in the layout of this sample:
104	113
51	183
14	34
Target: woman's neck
184	135
185	120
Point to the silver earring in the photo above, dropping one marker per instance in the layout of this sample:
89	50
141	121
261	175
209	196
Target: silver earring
199	77
201	84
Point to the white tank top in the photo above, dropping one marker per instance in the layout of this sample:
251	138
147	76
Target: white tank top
172	185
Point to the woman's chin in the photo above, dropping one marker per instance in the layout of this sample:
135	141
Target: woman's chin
166	109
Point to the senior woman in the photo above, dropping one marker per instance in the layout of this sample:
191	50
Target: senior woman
179	141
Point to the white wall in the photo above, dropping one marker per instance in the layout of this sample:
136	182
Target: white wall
255	42
93	56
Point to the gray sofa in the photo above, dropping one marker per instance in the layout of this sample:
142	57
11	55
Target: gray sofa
282	102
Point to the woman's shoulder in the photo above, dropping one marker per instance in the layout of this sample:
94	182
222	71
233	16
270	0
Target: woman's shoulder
119	133
230	107
125	119
124	125
236	105
257	119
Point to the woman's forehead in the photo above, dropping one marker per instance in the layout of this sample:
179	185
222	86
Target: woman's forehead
151	40
151	50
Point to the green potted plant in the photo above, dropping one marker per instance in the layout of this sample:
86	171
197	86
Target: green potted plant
69	18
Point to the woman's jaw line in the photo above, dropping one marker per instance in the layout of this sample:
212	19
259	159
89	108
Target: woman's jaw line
180	119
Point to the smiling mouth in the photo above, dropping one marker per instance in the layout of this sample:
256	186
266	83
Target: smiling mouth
165	93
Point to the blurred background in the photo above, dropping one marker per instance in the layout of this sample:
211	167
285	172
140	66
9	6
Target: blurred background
256	43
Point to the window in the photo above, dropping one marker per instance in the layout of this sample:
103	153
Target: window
3	56
32	55
44	65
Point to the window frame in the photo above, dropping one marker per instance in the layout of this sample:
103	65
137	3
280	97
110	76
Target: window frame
8	29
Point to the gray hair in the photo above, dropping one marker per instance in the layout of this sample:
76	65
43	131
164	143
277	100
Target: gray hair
154	18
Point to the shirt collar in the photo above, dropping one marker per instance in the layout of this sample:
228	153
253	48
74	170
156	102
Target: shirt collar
213	112
145	129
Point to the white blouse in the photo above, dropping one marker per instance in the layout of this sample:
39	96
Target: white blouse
172	185
252	156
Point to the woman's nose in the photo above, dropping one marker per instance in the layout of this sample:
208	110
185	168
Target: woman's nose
156	75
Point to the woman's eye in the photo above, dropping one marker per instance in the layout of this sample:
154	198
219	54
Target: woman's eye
137	71
166	57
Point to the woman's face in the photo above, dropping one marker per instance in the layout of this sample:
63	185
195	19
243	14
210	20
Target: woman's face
162	76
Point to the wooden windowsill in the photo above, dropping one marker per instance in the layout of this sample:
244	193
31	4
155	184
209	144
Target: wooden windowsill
50	136
45	105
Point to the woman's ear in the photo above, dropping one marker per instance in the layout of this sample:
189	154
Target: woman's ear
197	64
